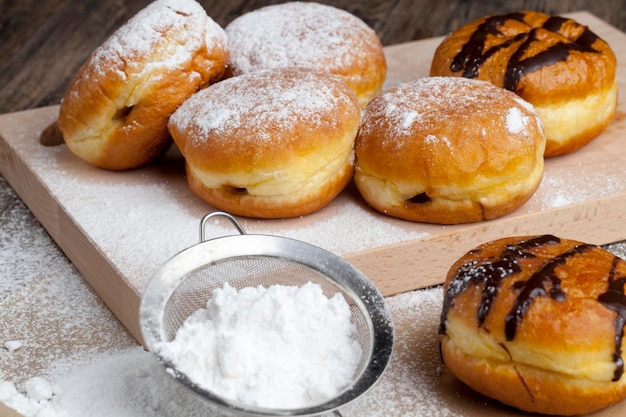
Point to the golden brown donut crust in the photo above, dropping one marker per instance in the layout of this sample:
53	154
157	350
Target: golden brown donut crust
555	63
536	322
309	35
448	150
114	113
269	144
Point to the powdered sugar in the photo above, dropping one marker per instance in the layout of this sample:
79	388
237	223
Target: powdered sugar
23	244
359	231
262	107
308	35
143	36
408	119
128	381
412	384
38	388
515	121
12	345
555	192
277	347
432	101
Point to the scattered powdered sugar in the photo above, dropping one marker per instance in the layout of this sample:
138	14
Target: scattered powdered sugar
54	316
309	35
138	237
353	226
25	248
411	385
129	382
277	347
122	382
554	190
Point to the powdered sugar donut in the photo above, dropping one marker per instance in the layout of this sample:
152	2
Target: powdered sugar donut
115	111
309	35
448	150
269	144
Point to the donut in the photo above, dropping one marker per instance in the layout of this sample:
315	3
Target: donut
448	150
269	144
309	35
114	113
558	65
537	323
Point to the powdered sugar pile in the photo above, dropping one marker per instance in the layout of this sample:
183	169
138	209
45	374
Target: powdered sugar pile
129	382
277	347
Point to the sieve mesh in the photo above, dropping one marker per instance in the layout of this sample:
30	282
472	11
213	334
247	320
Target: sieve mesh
186	283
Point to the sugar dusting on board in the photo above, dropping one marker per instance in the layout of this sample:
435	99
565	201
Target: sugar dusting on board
554	190
129	382
25	250
142	218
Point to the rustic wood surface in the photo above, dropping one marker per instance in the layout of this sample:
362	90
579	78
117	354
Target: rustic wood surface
594	218
43	42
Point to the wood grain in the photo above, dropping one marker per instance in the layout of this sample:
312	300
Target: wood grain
43	43
394	268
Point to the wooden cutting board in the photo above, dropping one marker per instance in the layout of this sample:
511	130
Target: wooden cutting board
117	228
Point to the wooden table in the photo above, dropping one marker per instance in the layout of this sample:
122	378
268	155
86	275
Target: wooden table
42	44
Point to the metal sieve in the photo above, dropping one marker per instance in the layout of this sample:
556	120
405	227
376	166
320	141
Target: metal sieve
186	282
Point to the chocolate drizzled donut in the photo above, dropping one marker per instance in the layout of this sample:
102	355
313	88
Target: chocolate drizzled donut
528	320
557	64
476	51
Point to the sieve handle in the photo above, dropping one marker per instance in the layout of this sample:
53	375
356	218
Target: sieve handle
215	214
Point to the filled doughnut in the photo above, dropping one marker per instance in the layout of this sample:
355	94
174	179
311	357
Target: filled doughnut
309	35
448	150
537	323
269	144
558	65
114	113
